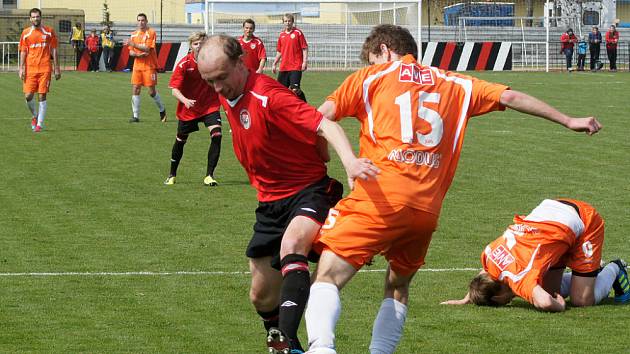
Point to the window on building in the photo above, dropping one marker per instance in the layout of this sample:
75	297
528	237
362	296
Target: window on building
590	18
65	26
9	4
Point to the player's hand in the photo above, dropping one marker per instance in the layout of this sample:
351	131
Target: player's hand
589	125
189	103
22	74
361	168
455	302
57	74
273	68
304	66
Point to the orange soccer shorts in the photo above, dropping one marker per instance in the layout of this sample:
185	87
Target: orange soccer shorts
145	78
586	254
37	82
357	230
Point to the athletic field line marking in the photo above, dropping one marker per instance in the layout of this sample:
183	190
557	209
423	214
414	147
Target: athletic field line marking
218	273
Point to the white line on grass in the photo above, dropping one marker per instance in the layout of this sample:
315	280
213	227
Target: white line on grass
104	274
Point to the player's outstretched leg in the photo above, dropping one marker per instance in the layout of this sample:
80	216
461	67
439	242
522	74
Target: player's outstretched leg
135	109
621	284
158	102
214	151
30	104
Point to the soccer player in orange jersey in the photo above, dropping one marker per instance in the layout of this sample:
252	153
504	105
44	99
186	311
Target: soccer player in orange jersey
142	47
413	119
38	44
529	259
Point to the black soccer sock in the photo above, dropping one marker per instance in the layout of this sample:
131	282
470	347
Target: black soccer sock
294	295
177	153
214	150
270	319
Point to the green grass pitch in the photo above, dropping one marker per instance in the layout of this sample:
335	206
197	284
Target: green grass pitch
86	196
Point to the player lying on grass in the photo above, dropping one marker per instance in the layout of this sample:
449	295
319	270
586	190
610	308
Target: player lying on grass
528	260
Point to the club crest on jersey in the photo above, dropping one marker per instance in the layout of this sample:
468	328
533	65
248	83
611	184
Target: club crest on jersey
292	35
245	118
412	73
501	257
253	46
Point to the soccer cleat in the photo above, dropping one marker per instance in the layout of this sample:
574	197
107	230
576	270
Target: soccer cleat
277	343
210	181
38	128
170	180
134	120
163	116
621	283
33	123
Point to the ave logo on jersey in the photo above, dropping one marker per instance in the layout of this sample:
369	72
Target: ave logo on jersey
412	73
501	257
245	118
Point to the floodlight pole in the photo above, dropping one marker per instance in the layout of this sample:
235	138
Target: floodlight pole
547	36
205	16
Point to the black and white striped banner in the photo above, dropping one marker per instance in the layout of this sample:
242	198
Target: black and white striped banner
463	56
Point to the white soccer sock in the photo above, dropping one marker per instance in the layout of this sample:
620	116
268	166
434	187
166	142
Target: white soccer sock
42	112
135	105
322	312
31	107
388	326
604	281
158	102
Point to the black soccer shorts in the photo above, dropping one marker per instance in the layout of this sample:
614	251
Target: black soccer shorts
272	218
191	126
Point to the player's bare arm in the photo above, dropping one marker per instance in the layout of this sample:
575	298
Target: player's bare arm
464	301
56	64
525	103
355	167
544	301
181	98
305	61
261	66
22	70
274	65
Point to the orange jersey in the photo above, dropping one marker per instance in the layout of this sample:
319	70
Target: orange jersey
147	39
552	235
413	119
37	43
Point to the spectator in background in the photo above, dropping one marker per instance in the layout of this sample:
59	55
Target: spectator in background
612	38
594	41
581	51
107	42
77	39
253	47
92	44
568	40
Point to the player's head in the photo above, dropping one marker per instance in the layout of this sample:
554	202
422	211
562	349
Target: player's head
35	16
249	26
142	21
485	291
386	39
288	20
594	29
613	28
195	39
93	32
219	62
78	24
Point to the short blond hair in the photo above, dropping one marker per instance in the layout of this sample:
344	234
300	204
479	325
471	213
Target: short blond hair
482	289
197	36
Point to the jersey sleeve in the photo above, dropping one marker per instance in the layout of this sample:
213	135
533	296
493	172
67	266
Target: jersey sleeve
177	79
262	53
486	97
54	42
348	97
303	43
151	40
23	45
294	116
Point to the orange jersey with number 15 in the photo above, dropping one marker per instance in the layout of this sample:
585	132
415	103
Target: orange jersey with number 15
413	119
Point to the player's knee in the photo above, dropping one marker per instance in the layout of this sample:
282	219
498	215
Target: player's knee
181	138
216	133
582	300
261	299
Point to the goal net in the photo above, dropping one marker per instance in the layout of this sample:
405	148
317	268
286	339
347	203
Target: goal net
334	31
